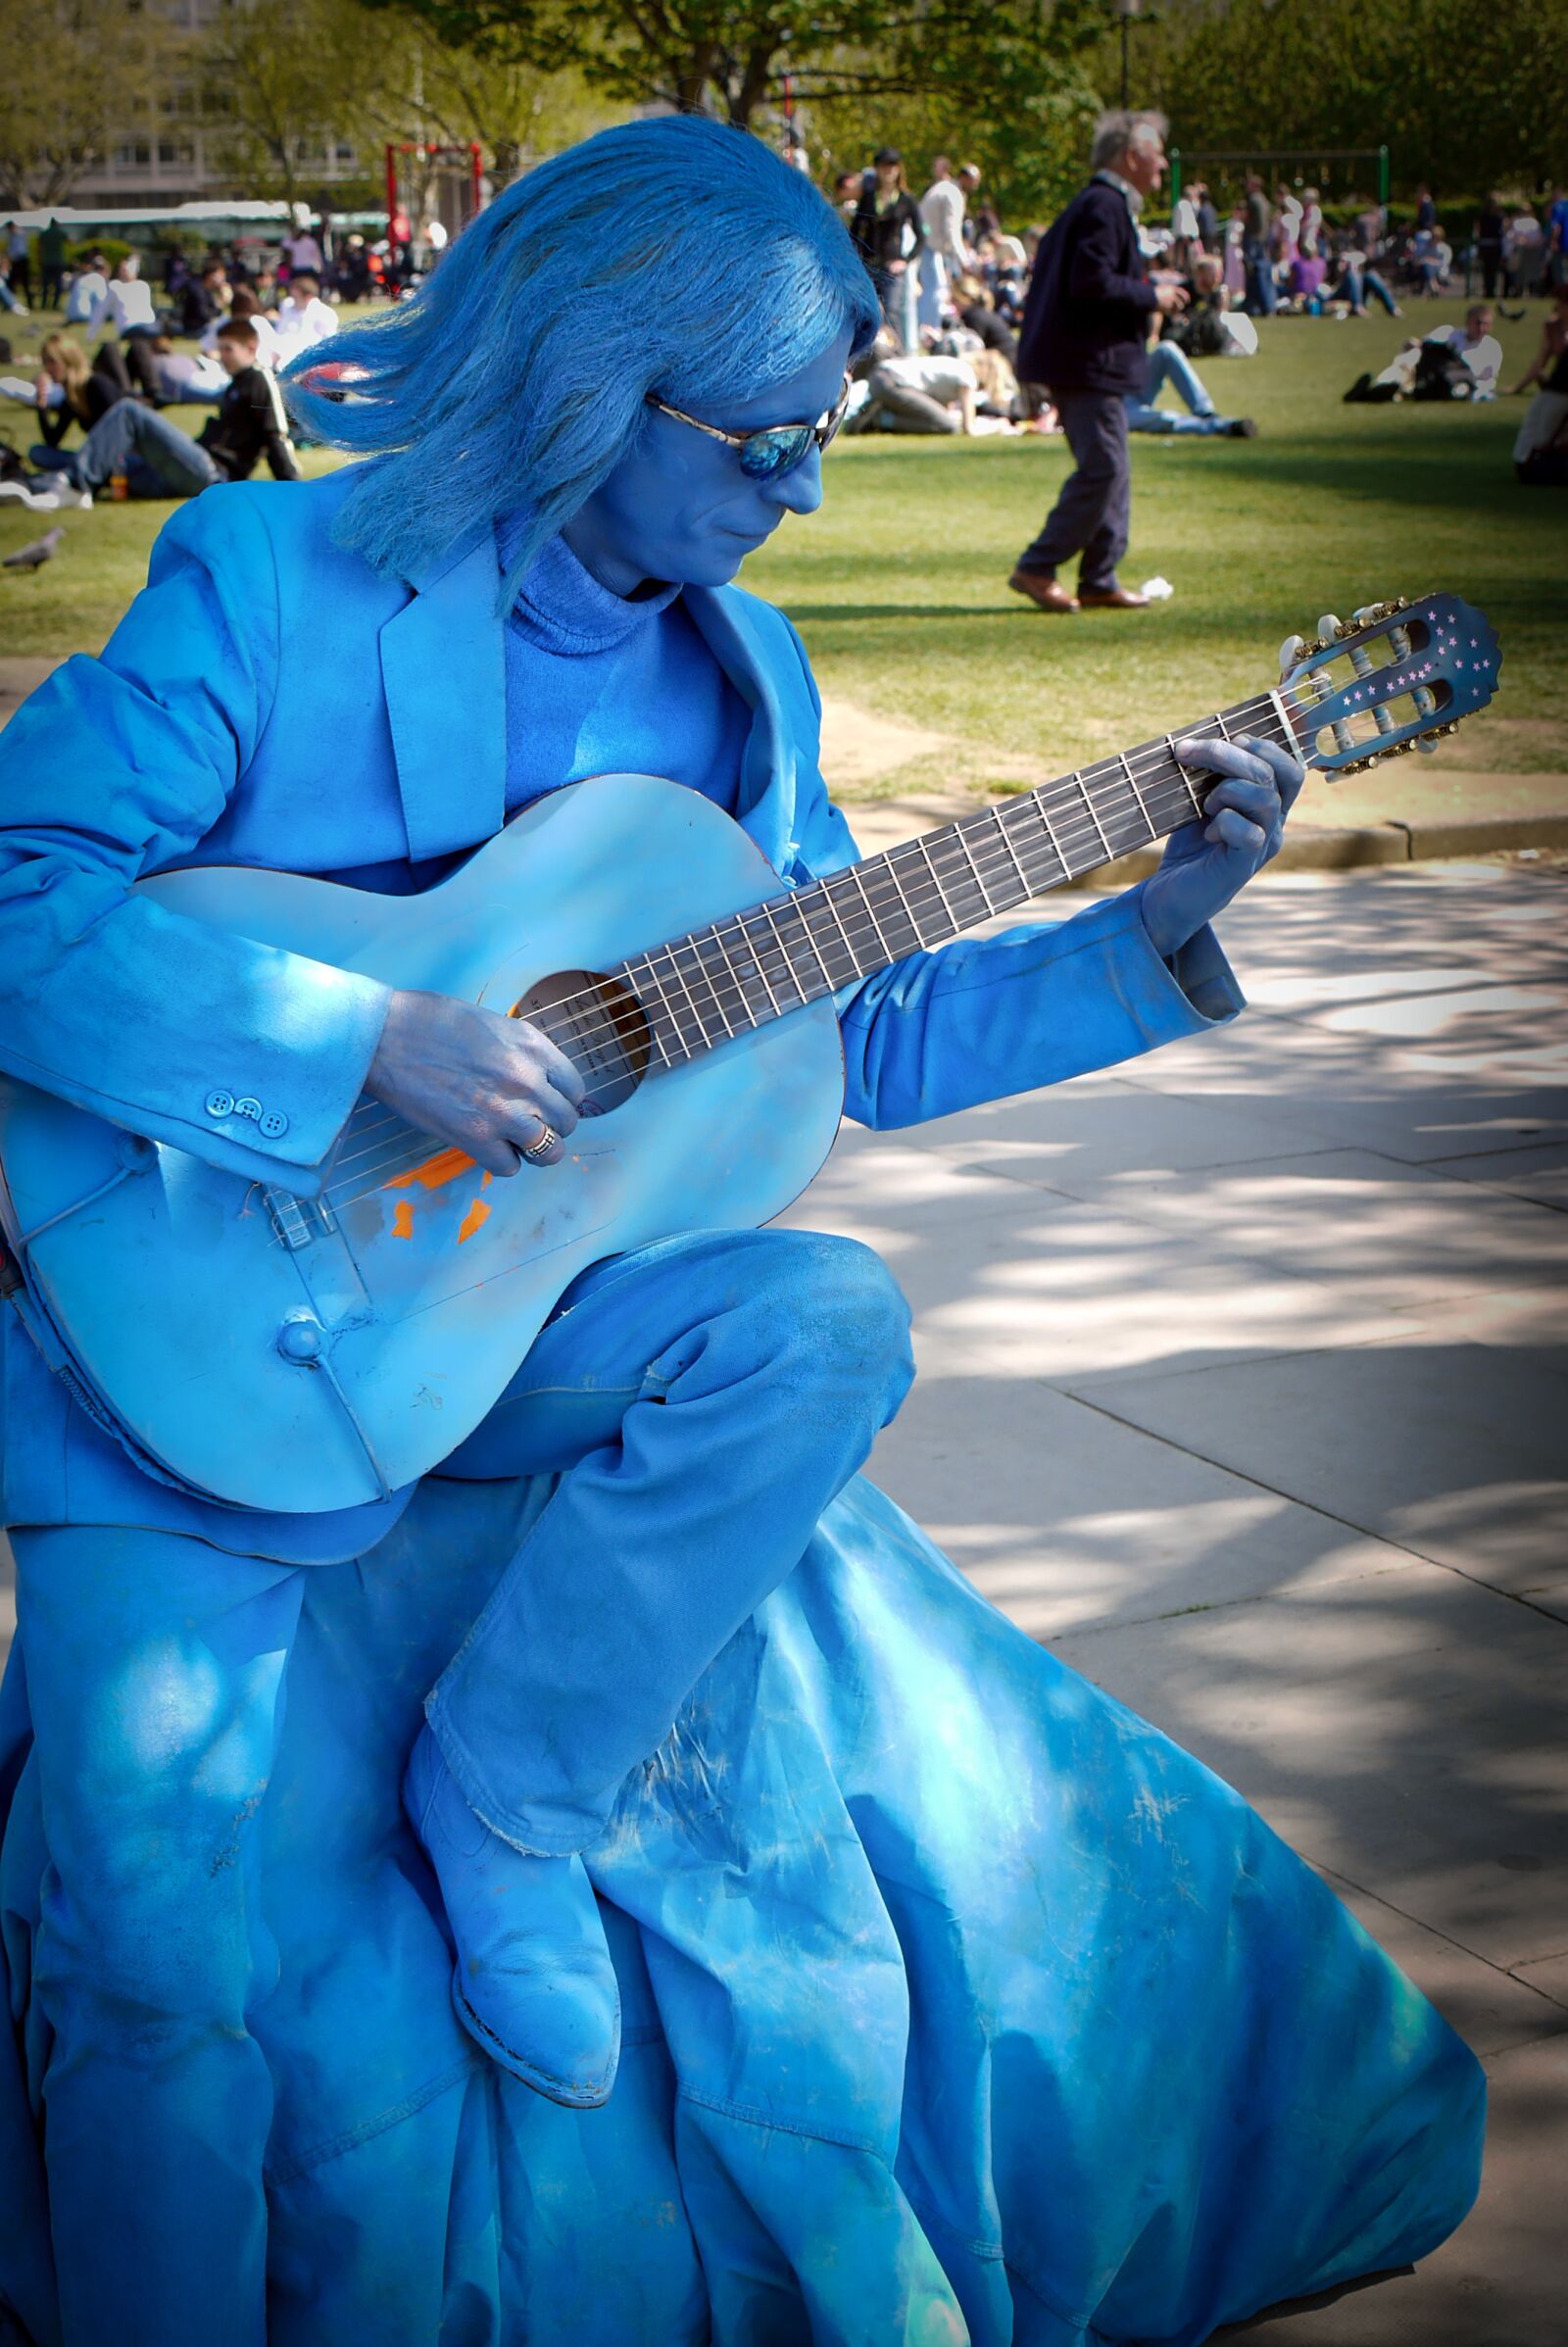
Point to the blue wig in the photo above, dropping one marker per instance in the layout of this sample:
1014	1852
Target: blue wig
675	254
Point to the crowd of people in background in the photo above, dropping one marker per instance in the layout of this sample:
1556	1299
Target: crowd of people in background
953	280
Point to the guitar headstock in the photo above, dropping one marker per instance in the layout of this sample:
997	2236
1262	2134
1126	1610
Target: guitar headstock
1396	678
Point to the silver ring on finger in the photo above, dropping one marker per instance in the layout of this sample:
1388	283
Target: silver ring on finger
538	1150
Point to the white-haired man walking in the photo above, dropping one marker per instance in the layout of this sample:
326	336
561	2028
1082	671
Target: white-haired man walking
1084	331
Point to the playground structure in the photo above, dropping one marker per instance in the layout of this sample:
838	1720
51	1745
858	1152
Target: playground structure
1313	165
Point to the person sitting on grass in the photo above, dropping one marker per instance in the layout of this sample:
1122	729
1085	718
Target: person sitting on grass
1450	363
1356	278
68	391
1540	451
1201	329
157	460
1169	363
244	303
303	317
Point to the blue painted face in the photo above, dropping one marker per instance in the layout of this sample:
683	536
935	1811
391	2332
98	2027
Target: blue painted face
679	506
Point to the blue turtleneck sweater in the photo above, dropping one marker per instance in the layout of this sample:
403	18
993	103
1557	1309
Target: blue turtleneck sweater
601	684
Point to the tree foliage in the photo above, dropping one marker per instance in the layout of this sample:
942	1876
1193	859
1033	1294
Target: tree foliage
282	76
1464	98
60	104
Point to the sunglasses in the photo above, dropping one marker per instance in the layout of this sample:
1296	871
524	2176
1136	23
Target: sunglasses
768	455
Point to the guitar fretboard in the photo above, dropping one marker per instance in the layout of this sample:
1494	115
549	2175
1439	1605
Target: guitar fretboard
712	984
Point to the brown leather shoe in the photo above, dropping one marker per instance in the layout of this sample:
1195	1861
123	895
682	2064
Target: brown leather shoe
1048	593
1111	599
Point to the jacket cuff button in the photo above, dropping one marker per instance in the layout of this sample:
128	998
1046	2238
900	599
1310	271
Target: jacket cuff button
220	1103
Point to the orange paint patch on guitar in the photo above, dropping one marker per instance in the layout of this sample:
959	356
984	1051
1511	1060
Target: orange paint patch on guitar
435	1173
403	1219
477	1216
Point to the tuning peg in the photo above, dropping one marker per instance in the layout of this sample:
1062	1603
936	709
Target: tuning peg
1329	628
1292	650
1426	743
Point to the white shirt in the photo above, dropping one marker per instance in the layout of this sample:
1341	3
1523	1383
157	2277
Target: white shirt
86	292
302	250
941	209
1483	358
933	372
1184	219
124	302
300	324
266	340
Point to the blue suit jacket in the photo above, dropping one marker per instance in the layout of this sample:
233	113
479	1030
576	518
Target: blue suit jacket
269	700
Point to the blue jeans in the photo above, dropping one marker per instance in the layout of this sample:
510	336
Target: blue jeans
702	1402
156	459
1357	283
901	302
1169	363
1260	293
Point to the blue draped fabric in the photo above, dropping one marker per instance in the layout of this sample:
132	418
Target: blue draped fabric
959	2004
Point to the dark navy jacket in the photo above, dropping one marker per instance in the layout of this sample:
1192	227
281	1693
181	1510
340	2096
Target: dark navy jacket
1087	316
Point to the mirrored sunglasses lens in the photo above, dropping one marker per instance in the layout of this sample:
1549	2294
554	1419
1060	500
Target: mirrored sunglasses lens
766	454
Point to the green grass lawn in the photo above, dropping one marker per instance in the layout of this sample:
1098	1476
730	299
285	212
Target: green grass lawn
898	583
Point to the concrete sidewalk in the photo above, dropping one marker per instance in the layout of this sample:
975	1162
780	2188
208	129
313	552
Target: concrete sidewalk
1245	1384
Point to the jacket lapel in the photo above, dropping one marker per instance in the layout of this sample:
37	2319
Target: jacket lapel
766	805
444	676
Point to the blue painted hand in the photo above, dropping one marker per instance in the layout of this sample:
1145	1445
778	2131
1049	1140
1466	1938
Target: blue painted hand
486	1085
1206	863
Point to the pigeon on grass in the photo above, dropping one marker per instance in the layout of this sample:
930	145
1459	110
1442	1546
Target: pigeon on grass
34	557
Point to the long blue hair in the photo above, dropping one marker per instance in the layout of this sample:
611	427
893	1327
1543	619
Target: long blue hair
675	254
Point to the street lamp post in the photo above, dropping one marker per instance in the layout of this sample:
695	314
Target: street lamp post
1126	10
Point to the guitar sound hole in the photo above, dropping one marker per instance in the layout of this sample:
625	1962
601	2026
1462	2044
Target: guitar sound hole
599	1024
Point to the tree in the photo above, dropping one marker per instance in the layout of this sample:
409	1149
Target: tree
729	56
283	76
74	71
1001	80
1464	98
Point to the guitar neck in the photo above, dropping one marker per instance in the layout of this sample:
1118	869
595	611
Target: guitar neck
712	984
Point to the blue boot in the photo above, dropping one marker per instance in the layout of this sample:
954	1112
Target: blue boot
534	1985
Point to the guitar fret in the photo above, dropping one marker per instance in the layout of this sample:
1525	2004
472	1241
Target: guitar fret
1183	776
1001	834
1082	791
891	863
985	893
757	963
628	970
717	936
852	872
838	923
680	980
1042	811
1132	785
798	914
942	894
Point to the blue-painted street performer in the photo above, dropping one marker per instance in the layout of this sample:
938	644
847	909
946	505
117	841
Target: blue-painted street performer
616	1883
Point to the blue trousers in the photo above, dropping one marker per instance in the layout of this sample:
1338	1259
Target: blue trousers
1169	363
700	1403
155	456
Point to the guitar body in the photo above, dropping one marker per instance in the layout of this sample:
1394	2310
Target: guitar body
307	1374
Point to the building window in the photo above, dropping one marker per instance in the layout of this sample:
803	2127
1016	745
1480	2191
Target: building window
134	155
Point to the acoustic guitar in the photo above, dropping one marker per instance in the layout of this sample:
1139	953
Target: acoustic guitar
344	1344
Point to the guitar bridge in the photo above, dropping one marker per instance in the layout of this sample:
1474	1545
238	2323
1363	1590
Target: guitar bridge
298	1221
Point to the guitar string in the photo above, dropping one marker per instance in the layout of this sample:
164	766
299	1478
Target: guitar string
996	858
1085	831
365	1170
